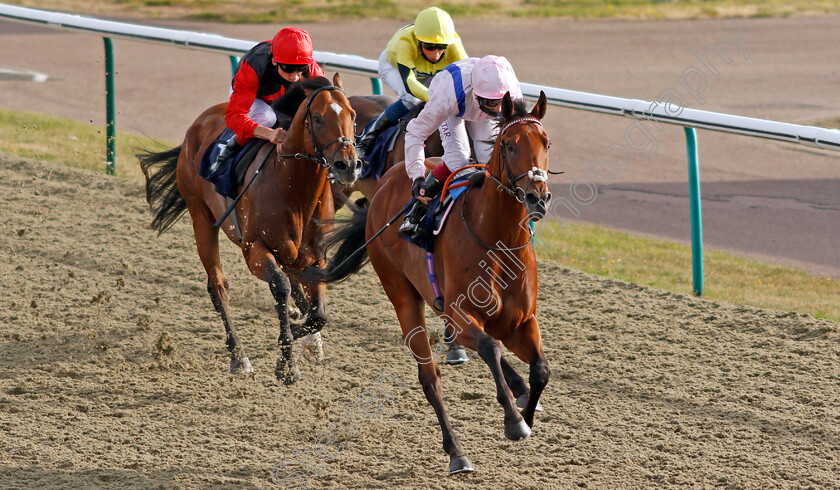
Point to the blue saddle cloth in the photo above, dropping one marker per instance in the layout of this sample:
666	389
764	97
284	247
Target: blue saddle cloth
432	210
224	176
375	165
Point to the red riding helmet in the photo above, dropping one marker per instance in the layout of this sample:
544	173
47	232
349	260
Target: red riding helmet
292	46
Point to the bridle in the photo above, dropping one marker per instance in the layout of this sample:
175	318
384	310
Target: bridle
343	141
534	175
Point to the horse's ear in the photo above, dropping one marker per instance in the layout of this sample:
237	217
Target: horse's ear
337	81
539	108
507	106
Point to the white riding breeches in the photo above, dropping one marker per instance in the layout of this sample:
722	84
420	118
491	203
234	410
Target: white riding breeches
261	113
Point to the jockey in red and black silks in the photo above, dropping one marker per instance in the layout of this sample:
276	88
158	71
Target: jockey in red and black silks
264	74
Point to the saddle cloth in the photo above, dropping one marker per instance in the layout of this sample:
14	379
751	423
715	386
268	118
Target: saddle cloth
227	178
437	212
384	143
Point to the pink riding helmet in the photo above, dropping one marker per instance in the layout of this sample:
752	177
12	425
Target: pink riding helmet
492	77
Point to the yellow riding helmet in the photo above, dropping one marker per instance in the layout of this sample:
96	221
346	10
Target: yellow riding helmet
434	26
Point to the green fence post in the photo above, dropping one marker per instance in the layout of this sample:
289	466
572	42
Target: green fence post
234	61
696	212
377	86
111	131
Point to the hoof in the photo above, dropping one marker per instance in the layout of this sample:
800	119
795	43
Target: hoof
456	355
460	464
523	400
313	347
288	375
517	431
295	313
241	366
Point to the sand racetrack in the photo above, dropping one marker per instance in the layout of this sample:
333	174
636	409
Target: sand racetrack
114	374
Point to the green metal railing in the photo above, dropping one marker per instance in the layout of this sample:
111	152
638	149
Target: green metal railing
688	118
111	133
696	212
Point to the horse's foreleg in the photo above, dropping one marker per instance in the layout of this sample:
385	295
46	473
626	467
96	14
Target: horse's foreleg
514	380
207	242
263	265
517	385
526	343
491	352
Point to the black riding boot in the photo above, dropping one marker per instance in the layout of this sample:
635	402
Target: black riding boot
230	149
365	144
413	226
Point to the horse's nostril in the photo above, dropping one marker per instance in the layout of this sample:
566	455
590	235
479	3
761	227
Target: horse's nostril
340	165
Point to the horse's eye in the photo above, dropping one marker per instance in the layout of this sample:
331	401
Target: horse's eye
318	119
509	146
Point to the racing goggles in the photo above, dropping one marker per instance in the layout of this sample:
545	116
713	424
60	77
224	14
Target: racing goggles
492	104
292	68
433	47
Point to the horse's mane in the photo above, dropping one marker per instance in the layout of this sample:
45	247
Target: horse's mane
519	110
288	103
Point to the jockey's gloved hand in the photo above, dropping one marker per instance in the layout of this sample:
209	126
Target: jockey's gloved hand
418	188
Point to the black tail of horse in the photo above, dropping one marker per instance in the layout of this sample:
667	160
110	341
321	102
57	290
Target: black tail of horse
348	240
161	188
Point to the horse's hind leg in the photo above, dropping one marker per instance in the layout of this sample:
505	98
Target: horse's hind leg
526	343
409	308
316	318
301	305
207	242
517	385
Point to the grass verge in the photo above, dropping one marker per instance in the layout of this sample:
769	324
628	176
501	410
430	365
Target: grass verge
580	246
70	143
667	265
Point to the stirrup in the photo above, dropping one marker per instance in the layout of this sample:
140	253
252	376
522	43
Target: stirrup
412	230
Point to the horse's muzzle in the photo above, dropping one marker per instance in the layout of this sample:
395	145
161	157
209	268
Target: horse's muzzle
346	171
537	205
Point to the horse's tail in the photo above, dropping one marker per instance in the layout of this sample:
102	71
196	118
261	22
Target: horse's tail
161	187
348	240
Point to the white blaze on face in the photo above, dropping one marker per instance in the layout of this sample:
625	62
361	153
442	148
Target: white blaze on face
336	108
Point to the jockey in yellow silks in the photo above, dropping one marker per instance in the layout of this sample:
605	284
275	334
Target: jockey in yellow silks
412	57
